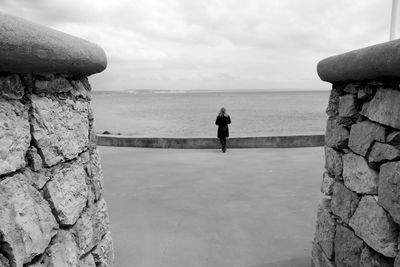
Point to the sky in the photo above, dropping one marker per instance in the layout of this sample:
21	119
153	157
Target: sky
213	44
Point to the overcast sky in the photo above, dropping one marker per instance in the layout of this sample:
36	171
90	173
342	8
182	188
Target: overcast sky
213	44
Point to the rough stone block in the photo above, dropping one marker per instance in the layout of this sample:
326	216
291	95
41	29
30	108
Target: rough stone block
325	232
363	134
15	135
67	192
375	226
63	251
80	90
383	152
4	261
344	202
95	174
393	138
57	85
34	159
60	128
88	261
36	179
104	253
11	87
319	259
384	108
26	222
351	88
333	162
348	247
327	184
347	105
371	258
358	176
389	189
336	135
91	226
365	93
333	104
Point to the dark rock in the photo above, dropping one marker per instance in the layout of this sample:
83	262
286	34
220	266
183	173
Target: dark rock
34	159
351	88
11	87
348	247
333	104
336	136
333	162
363	134
365	93
319	259
375	226
358	176
393	138
371	258
384	108
347	105
389	188
327	184
325	232
344	202
383	152
57	85
106	132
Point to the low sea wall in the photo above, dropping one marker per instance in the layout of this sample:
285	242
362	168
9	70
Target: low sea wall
235	142
52	207
358	218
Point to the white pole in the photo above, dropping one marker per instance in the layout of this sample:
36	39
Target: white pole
393	19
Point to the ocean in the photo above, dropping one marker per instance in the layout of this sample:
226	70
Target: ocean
158	113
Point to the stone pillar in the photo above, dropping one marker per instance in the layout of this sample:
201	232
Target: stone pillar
358	218
52	210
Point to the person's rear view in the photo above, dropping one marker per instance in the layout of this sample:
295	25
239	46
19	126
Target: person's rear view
222	121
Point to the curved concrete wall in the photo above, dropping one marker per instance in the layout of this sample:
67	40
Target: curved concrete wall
238	142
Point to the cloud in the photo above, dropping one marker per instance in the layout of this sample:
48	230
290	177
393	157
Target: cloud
213	44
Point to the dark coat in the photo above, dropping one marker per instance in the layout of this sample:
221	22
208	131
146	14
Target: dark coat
222	122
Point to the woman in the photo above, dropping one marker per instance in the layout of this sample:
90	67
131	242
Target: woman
222	121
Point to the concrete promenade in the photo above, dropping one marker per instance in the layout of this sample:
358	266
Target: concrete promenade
196	208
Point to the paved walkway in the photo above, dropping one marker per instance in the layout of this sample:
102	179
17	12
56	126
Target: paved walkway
201	208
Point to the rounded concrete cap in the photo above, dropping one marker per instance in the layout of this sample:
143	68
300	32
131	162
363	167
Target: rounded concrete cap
29	47
381	60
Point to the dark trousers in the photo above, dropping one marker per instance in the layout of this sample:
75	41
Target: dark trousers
223	143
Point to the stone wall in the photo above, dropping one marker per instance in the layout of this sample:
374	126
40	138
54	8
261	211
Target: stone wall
358	219
52	209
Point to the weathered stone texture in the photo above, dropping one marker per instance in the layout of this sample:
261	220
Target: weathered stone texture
325	232
332	109
62	252
104	253
351	88
371	258
67	192
34	159
11	87
333	162
26	222
344	202
36	179
383	152
57	85
375	226
348	248
14	135
327	184
4	261
91	226
88	261
358	176
336	135
319	259
363	134
384	108
393	138
365	93
95	174
60	128
389	189
347	105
